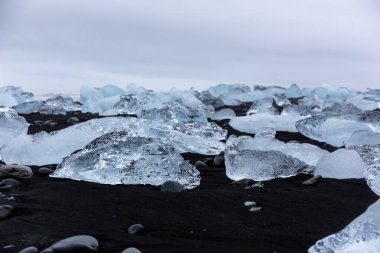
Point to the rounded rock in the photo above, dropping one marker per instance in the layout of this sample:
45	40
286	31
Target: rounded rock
135	229
44	171
73	120
77	243
200	165
6	211
219	161
172	186
131	250
15	171
29	250
208	161
8	183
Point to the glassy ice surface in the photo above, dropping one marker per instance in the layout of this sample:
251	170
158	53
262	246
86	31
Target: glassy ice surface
11	125
361	235
370	154
363	137
341	164
49	148
254	123
223	114
264	158
118	158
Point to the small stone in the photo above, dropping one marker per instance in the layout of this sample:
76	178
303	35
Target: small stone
250	203
255	209
219	160
131	250
73	120
135	229
44	171
77	243
15	171
200	165
50	123
8	183
172	186
6	211
242	182
29	250
208	161
312	180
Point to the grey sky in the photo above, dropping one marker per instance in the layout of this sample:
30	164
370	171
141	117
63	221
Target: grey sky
57	46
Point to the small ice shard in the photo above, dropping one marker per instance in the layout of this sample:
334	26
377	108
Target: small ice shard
336	131
119	158
223	114
254	123
370	154
341	164
311	127
255	209
361	235
362	137
263	158
262	106
250	203
11	125
77	243
293	92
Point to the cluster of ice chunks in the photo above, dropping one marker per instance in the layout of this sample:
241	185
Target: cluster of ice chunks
49	148
51	106
223	94
11	125
119	158
264	158
361	235
11	96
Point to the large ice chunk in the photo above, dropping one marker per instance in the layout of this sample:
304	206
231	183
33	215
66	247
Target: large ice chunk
11	96
361	235
49	148
11	125
264	158
341	164
254	123
118	158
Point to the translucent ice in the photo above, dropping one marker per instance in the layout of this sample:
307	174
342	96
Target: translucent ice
43	148
362	103
118	158
54	106
11	125
264	158
293	92
262	106
254	123
341	164
11	96
363	137
361	235
223	114
372	94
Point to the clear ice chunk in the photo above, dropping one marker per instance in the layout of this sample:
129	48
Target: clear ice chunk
293	92
11	125
49	148
118	158
341	164
11	96
361	235
363	137
52	106
372	94
263	106
223	114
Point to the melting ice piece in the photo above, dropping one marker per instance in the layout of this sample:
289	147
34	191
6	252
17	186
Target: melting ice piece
223	94
11	96
264	158
262	106
339	109
336	131
293	92
361	235
223	114
43	148
362	103
372	94
341	164
253	123
363	137
204	130
371	156
118	158
54	106
11	125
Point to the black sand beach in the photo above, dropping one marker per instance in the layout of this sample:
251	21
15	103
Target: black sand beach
210	218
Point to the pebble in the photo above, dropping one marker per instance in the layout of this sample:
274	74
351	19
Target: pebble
38	123
6	211
312	180
200	165
8	183
50	123
44	171
219	160
255	209
250	203
73	120
15	171
209	161
135	229
131	250
29	250
172	186
77	243
242	182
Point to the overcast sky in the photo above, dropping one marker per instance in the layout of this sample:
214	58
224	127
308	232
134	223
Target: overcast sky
57	46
